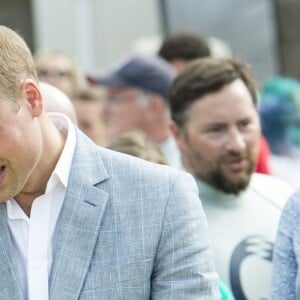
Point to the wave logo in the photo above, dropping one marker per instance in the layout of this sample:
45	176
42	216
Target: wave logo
251	268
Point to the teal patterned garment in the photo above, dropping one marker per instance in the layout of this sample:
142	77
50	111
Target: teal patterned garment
225	292
279	110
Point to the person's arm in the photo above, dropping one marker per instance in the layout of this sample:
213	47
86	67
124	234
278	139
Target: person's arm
284	260
184	265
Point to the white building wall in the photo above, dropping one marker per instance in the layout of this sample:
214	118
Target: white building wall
248	26
94	32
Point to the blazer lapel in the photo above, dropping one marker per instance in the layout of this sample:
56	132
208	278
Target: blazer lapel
79	223
9	285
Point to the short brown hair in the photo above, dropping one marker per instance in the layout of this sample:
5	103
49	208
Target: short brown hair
16	62
206	75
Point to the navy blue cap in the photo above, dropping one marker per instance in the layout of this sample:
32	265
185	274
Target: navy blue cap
151	74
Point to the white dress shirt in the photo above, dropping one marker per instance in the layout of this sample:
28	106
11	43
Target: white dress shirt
34	238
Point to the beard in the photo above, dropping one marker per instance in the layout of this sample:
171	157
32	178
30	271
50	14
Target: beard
216	171
218	179
214	174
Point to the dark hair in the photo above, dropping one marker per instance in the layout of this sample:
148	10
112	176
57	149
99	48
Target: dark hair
184	45
206	75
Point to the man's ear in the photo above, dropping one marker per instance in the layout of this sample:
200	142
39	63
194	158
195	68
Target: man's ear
178	135
156	102
33	97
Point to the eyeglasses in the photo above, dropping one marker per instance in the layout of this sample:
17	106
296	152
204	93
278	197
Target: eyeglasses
140	97
115	100
42	73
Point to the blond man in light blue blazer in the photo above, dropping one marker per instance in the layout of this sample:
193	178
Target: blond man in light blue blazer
82	222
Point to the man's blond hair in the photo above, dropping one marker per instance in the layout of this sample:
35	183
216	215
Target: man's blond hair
16	63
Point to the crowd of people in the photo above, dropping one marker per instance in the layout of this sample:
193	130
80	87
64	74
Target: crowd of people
170	176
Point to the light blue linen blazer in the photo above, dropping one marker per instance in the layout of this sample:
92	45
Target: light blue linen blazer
128	229
286	258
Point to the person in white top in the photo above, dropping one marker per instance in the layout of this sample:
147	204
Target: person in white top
78	221
216	126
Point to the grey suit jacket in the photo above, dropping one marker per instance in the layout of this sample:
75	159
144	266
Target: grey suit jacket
128	229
